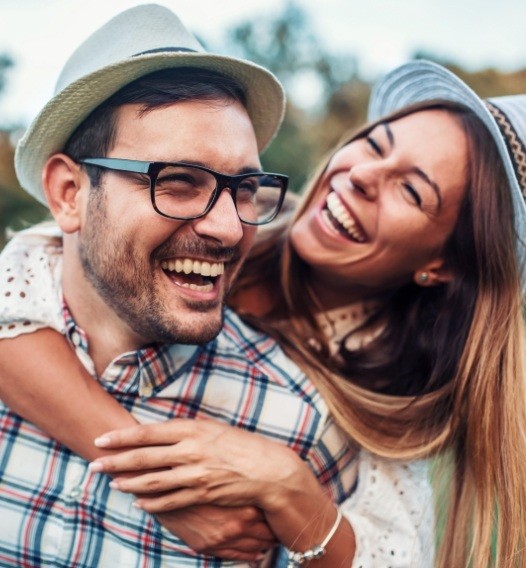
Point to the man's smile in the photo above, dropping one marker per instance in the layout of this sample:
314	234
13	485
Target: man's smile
194	274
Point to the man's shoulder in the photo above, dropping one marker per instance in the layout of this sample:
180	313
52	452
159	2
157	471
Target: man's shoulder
238	337
257	351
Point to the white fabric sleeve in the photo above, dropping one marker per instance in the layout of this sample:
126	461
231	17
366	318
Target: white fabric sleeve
30	281
392	514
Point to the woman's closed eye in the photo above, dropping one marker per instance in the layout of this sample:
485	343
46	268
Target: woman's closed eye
412	193
377	149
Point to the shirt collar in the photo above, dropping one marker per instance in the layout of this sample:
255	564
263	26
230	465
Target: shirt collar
145	371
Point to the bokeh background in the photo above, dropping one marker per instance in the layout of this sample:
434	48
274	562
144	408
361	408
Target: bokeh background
327	53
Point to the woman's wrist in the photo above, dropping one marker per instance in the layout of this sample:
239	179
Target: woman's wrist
298	558
303	520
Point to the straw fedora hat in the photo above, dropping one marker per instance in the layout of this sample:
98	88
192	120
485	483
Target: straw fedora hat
504	117
132	44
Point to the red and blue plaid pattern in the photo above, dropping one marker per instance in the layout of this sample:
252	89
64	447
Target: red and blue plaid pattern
54	512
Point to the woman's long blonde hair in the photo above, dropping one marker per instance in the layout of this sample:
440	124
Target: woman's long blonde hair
465	397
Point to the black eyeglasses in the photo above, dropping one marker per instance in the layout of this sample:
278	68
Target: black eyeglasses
185	191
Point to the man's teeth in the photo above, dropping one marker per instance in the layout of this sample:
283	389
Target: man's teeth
201	268
338	210
189	266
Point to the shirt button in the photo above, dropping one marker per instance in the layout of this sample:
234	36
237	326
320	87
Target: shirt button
75	493
75	338
146	390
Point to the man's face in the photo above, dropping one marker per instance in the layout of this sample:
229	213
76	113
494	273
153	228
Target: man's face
165	279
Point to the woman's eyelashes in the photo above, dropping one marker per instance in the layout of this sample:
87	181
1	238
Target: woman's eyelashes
413	194
377	149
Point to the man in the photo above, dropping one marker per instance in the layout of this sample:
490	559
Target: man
148	160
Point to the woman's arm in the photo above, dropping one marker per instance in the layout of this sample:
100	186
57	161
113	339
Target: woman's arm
205	461
388	521
43	380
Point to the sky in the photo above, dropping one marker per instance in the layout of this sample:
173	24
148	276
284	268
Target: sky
40	34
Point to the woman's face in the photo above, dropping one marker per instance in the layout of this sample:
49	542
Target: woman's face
385	206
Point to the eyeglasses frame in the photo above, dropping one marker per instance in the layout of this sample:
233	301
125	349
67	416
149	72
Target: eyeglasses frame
223	181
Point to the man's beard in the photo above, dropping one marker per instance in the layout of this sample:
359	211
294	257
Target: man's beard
127	282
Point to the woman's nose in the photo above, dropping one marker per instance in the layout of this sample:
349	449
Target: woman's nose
362	179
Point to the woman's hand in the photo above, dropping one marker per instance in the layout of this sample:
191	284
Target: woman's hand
232	533
199	462
194	462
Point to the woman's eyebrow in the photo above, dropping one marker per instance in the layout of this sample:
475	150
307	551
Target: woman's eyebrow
434	186
389	133
420	173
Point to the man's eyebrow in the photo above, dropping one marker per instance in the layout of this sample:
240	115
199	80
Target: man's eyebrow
420	173
241	171
251	170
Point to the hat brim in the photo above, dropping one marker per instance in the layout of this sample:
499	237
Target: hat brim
59	118
424	81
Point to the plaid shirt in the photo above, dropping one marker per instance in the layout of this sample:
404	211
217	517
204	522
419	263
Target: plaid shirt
54	512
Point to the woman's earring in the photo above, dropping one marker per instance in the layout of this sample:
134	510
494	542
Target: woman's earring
424	277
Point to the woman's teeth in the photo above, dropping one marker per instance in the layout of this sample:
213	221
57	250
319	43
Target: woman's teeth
197	273
341	218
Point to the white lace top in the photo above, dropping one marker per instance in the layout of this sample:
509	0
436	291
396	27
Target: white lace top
391	510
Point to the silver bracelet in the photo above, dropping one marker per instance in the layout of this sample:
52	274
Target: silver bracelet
298	558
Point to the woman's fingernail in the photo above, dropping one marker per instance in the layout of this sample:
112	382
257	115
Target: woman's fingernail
95	466
137	505
102	441
114	484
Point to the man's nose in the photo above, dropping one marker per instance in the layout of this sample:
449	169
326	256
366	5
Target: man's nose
222	222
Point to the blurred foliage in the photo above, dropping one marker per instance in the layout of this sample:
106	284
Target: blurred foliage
286	43
5	63
17	208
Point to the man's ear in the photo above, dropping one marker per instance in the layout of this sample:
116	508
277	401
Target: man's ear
62	181
433	273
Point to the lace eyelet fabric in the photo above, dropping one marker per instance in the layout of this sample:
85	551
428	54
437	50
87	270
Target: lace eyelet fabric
28	284
392	514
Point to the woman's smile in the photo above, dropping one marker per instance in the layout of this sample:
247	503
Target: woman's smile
340	217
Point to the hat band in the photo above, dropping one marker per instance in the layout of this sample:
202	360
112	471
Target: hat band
164	49
514	143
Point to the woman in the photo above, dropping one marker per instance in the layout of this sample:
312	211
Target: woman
400	256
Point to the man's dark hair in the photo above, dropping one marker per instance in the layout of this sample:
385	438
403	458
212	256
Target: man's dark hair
96	134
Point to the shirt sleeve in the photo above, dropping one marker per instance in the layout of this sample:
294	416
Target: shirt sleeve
334	460
30	282
392	514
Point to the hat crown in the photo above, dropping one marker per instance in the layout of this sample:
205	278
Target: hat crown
133	44
146	28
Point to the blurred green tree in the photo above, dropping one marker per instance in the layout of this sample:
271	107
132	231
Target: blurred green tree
5	63
286	44
488	82
17	208
327	97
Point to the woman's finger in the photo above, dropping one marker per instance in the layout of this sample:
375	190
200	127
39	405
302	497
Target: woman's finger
189	451
140	459
169	432
158	481
244	544
177	499
188	497
233	554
